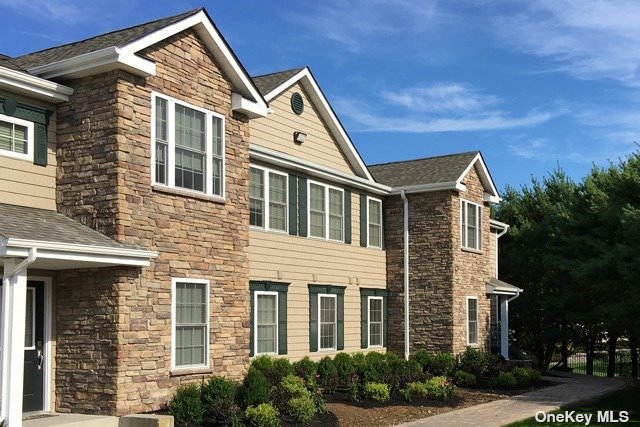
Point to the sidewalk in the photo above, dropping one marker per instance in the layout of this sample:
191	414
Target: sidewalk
575	388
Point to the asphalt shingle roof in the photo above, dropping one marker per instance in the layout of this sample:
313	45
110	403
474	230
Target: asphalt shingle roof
116	38
268	82
8	62
430	170
20	222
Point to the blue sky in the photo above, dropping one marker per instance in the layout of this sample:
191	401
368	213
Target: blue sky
530	84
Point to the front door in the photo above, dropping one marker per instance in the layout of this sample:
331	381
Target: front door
33	399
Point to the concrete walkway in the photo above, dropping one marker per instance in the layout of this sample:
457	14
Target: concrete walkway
69	420
574	388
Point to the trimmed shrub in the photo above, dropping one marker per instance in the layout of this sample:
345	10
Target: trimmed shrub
305	368
376	369
274	369
255	388
302	409
474	361
497	364
439	388
465	379
506	380
424	359
263	363
345	369
523	378
353	391
535	376
294	387
400	372
378	392
186	405
218	397
263	415
415	390
281	368
442	364
328	375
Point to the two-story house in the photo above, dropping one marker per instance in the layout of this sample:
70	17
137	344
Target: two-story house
166	217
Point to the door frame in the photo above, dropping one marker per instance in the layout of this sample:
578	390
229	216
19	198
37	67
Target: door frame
46	350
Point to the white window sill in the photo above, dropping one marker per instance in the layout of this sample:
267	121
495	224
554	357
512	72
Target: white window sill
256	228
176	372
187	193
16	156
471	250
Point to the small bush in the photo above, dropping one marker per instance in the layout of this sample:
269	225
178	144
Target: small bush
378	392
523	378
305	368
294	387
376	369
439	388
255	388
281	368
263	363
423	358
219	399
328	375
442	364
465	379
506	380
535	376
497	364
415	390
263	415
302	409
186	405
353	391
344	367
474	361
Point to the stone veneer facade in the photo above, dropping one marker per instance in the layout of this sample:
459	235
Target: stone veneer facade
114	325
441	274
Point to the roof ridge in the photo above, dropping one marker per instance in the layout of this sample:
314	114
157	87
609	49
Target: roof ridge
187	13
298	69
425	158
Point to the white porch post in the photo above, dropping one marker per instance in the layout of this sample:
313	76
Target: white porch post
504	326
13	323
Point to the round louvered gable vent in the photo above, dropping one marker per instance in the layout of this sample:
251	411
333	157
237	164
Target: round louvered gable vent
297	103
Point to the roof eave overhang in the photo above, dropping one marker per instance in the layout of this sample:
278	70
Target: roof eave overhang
283	160
337	130
19	248
491	194
498	225
32	86
428	188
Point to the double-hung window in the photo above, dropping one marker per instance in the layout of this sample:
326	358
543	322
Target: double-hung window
16	138
266	322
190	313
328	321
268	199
470	225
326	212
188	148
376	321
375	222
472	320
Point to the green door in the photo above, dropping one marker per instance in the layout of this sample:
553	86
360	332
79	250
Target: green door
33	399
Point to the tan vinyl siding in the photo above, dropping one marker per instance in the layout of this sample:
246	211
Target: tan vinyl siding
302	261
276	132
23	183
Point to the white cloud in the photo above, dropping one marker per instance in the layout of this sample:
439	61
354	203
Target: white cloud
53	10
589	39
441	97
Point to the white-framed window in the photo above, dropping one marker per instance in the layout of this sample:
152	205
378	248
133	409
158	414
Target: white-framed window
374	222
326	211
268	199
470	225
376	321
190	321
327	321
266	322
16	138
188	146
472	320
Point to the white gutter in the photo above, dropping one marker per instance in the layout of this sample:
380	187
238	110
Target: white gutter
30	259
34	86
406	274
425	188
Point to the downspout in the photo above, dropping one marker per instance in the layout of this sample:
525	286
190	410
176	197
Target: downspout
406	274
6	279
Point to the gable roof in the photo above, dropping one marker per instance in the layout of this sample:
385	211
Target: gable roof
9	62
120	50
435	173
276	83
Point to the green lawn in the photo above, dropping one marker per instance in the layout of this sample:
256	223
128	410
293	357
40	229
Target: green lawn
627	399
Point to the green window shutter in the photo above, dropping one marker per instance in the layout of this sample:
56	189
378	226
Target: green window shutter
340	321
385	318
347	217
302	192
364	322
293	205
313	321
363	221
282	323
251	325
40	144
384	225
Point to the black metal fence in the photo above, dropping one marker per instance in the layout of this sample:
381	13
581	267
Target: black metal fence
578	362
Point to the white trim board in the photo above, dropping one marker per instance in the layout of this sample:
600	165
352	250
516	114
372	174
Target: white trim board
33	86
